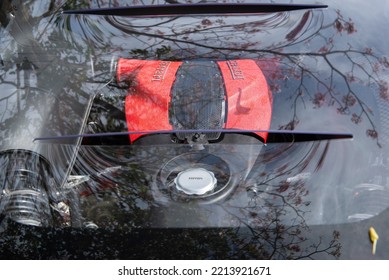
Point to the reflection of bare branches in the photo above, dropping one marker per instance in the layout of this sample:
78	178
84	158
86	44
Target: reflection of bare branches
346	100
282	60
275	216
337	88
268	236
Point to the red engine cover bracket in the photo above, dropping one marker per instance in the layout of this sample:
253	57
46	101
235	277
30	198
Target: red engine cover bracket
148	99
248	96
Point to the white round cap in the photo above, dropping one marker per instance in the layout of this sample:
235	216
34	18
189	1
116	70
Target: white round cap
195	181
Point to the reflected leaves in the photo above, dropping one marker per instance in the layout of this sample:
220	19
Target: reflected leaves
287	54
289	58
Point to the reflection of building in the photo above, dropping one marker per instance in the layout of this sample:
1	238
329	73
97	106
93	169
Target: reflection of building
26	66
5	8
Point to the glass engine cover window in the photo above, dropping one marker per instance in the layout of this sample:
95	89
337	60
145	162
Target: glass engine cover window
256	130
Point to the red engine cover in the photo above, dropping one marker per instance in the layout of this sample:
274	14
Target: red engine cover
248	97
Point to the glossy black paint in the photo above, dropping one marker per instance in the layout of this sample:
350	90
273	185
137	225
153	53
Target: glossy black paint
327	70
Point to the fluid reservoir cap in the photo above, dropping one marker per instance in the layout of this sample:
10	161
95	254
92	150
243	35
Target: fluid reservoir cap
196	181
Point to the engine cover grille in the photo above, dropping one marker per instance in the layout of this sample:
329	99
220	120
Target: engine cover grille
198	99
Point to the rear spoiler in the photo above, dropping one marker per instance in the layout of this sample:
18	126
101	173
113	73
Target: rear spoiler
195	9
274	136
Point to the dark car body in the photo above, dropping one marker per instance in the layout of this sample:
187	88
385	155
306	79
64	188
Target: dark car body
97	166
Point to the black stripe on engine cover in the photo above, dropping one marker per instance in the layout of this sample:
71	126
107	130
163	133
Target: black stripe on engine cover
198	99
